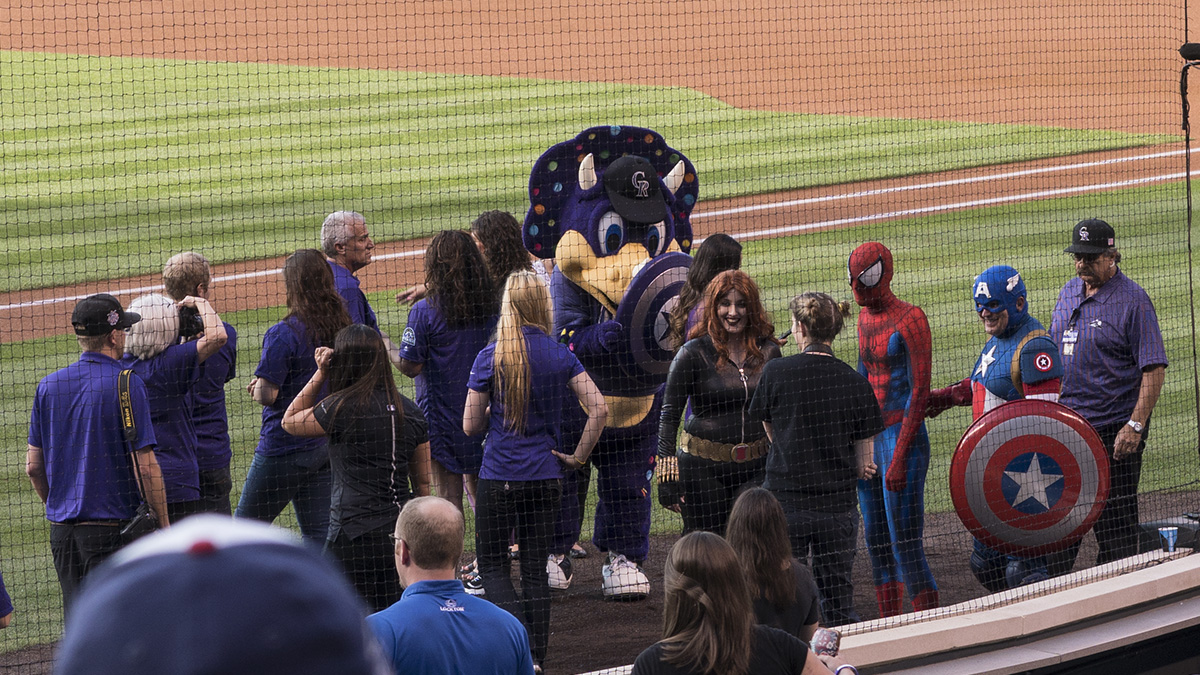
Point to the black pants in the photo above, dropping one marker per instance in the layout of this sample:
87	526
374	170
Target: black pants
1117	527
177	511
370	564
832	540
79	549
527	508
215	486
710	488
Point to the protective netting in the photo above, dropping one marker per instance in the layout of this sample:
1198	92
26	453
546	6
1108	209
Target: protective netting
958	136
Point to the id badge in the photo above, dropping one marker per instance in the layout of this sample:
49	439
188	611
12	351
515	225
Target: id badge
1069	338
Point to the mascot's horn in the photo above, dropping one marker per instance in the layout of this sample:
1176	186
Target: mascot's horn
674	179
587	173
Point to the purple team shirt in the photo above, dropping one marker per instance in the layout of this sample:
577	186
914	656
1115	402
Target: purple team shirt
441	389
508	455
207	400
76	421
168	377
1106	341
286	362
356	301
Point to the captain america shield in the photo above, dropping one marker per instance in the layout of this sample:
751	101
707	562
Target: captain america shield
1029	477
645	314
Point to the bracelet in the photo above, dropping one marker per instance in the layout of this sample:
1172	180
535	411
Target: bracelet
845	666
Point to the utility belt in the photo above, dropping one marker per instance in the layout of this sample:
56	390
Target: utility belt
78	521
723	452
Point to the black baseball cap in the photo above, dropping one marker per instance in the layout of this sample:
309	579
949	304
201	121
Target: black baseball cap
633	188
101	314
1091	237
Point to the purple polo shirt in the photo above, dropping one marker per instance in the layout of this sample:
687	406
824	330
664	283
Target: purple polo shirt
168	378
356	301
1116	337
207	399
441	389
508	455
286	362
76	421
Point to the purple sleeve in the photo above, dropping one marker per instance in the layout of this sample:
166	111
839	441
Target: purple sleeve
1145	335
414	344
6	606
35	420
279	344
481	371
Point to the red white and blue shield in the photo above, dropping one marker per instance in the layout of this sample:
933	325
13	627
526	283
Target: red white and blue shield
645	314
1029	477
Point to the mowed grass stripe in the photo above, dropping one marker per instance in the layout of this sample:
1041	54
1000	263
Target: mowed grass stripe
113	163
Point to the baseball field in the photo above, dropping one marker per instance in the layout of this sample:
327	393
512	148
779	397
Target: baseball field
961	134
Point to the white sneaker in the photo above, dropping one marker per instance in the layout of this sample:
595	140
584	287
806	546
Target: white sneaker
472	581
559	569
624	580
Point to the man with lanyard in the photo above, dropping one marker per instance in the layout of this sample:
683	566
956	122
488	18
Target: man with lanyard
80	464
1018	361
1114	364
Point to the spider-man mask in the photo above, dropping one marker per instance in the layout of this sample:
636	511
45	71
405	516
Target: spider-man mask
870	269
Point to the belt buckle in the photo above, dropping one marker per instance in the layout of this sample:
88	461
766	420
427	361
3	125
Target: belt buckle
740	451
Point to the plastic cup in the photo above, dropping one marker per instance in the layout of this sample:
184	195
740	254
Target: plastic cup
1169	536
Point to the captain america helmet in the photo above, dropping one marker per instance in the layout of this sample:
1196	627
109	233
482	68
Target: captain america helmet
997	289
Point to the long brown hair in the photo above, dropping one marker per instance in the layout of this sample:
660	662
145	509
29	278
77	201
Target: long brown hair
312	298
360	367
457	281
526	302
758	322
757	531
718	253
707	615
500	234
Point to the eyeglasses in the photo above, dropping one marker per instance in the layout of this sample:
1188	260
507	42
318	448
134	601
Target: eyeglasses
1087	258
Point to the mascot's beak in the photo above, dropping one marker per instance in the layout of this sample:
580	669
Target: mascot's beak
605	279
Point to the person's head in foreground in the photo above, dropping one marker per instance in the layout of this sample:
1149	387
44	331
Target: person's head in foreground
429	540
214	595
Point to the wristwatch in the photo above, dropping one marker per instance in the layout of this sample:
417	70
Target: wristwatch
1136	426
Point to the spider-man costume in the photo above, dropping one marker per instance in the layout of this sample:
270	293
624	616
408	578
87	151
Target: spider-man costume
894	350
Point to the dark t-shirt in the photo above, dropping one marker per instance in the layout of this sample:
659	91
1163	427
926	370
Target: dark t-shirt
803	610
818	407
370	472
772	652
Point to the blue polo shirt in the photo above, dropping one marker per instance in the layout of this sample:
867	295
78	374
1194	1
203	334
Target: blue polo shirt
207	400
436	627
76	421
356	301
508	455
1105	341
168	377
441	389
286	362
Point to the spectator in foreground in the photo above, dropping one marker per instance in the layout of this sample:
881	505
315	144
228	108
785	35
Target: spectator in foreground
78	460
708	624
215	595
187	274
1114	364
436	627
782	588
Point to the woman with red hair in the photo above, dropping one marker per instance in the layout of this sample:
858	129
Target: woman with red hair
721	449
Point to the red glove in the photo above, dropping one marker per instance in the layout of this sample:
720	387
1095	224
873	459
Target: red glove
896	477
941	400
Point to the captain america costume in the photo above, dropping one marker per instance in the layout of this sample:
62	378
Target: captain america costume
895	353
1021	361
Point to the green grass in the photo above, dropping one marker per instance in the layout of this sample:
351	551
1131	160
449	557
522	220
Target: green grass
936	259
111	162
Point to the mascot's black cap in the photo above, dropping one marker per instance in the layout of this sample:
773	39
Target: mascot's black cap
633	188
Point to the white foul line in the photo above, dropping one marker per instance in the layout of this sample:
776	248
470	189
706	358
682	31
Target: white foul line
890	215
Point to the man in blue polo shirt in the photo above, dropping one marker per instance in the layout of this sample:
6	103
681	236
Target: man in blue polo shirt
78	459
1113	368
436	627
348	245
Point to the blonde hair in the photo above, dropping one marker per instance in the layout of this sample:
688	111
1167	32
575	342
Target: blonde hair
158	329
184	272
526	302
821	315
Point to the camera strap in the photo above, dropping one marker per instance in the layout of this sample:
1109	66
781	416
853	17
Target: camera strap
129	425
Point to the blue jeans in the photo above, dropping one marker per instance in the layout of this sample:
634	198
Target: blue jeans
302	478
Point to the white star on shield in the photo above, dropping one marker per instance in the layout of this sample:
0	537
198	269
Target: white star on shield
1033	483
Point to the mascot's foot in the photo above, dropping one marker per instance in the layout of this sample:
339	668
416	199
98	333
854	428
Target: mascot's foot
926	599
624	580
890	597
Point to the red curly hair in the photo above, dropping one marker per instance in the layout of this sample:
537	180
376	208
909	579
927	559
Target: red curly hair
758	322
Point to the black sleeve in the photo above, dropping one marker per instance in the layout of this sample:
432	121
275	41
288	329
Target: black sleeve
415	430
323	412
807	595
870	418
681	379
760	405
650	662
